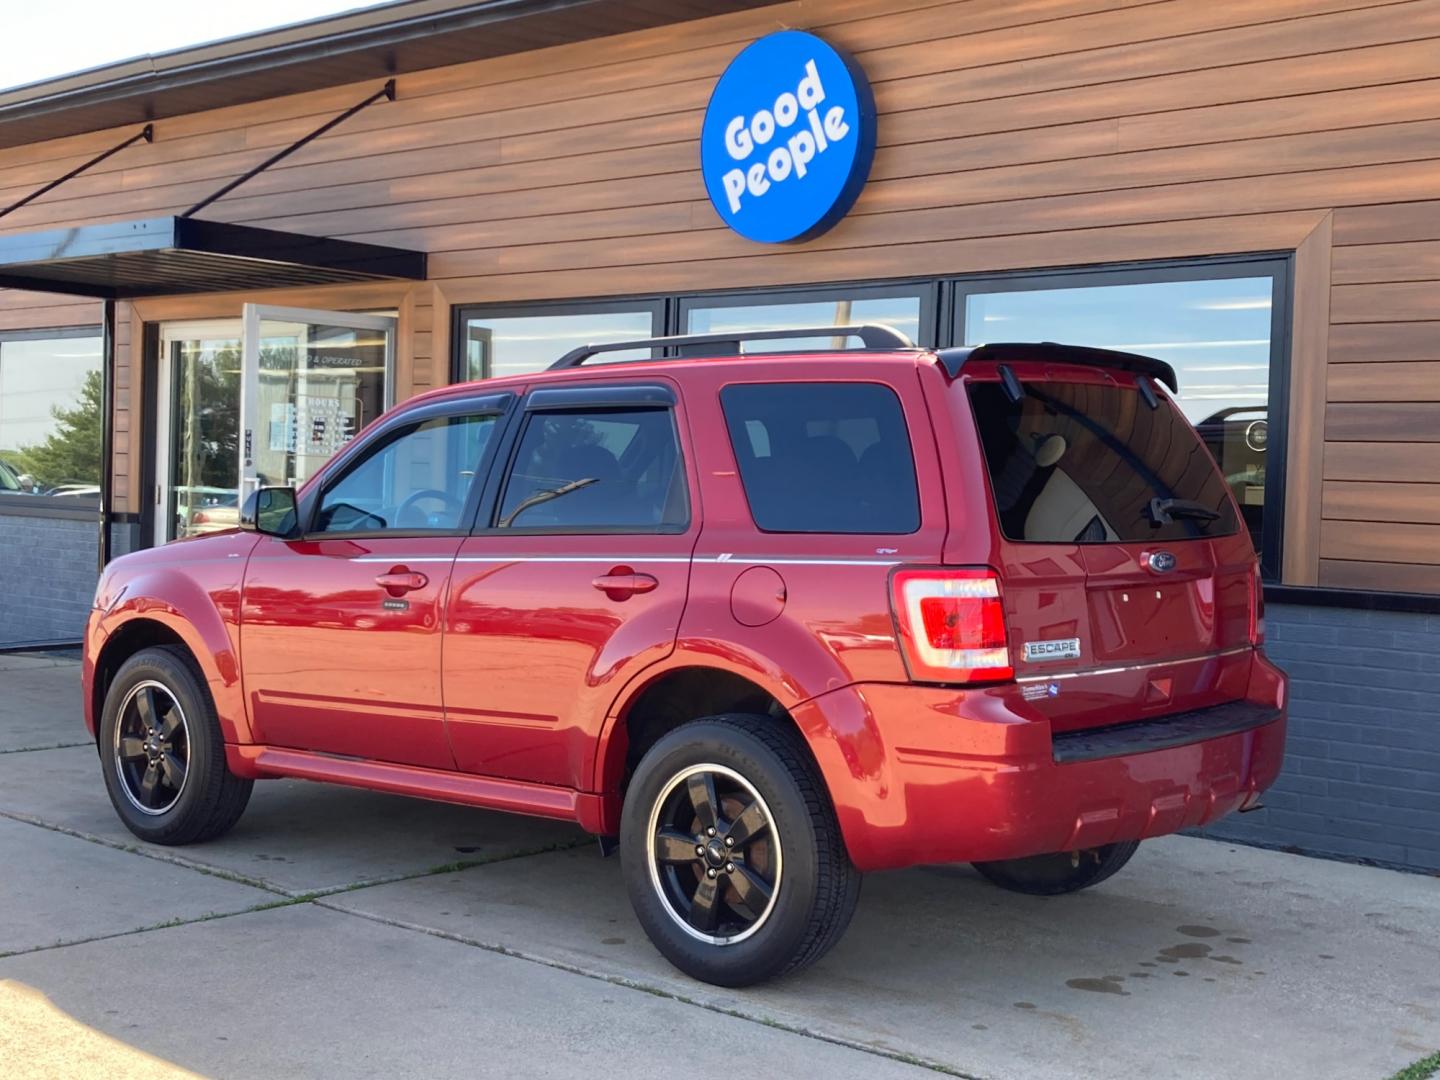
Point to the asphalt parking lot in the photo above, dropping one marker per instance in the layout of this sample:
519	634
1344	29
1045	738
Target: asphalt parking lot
340	933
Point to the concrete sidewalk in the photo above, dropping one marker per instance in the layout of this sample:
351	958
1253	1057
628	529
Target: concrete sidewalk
341	933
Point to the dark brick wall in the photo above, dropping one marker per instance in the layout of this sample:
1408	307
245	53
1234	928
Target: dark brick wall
1362	768
47	576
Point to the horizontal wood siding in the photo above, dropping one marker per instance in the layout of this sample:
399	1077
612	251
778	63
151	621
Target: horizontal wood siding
1013	134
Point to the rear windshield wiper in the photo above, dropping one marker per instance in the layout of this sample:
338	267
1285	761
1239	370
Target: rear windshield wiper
544	497
1165	511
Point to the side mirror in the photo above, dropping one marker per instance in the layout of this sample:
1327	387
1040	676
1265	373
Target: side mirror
271	511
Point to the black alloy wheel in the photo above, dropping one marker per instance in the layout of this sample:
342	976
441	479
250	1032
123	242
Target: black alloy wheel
162	752
731	852
715	859
152	748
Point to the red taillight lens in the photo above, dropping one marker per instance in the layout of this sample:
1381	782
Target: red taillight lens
952	625
1257	607
199	518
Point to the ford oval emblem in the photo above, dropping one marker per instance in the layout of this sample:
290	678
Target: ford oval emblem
1162	562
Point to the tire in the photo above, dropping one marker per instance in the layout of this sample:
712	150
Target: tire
1062	872
764	791
162	753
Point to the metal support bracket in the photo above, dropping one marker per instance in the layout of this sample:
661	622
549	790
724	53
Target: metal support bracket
387	92
147	133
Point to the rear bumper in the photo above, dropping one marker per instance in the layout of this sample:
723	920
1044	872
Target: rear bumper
922	774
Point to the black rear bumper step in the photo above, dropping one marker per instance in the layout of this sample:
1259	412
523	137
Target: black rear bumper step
1163	733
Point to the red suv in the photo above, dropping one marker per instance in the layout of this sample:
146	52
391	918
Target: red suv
767	622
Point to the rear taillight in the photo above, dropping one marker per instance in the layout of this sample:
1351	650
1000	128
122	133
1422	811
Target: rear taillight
1257	607
199	518
952	625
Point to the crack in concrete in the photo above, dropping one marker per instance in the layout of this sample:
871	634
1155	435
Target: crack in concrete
658	991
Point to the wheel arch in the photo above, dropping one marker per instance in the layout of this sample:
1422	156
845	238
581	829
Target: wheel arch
662	701
183	616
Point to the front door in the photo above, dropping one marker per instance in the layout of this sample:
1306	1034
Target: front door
575	581
341	629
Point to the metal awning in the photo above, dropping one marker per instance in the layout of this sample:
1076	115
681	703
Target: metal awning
167	256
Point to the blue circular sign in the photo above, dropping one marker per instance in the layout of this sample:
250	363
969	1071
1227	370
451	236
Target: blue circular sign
788	138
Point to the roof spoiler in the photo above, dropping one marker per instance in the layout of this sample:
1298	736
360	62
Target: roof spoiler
1009	352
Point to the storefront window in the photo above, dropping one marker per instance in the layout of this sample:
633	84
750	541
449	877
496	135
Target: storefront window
50	415
1217	332
706	315
516	344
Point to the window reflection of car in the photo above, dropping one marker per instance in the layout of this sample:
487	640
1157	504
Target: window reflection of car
16	482
1238	438
75	491
203	510
213	515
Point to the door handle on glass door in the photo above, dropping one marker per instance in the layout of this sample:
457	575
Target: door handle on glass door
622	583
400	580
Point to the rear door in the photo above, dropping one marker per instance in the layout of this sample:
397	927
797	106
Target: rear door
574	580
1128	575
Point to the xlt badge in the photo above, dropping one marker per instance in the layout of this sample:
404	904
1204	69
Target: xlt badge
1059	649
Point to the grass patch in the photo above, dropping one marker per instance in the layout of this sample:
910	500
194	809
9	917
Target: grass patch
1420	1070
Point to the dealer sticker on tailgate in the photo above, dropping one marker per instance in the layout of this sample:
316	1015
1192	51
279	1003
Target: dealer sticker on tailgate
1060	649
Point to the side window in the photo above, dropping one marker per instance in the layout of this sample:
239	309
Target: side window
823	457
418	479
603	468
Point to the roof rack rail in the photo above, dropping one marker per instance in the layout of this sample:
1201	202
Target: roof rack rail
872	335
1005	352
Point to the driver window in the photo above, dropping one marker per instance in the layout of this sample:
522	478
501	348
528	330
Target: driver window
417	480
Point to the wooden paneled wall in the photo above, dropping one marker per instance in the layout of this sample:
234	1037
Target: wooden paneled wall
1013	133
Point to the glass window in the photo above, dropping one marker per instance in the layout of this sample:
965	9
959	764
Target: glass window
1089	463
520	344
204	483
611	469
50	416
708	317
413	481
823	457
1216	332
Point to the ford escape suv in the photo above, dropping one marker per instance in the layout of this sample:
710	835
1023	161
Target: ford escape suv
764	622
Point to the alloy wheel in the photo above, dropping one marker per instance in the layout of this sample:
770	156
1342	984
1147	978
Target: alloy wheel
714	854
152	748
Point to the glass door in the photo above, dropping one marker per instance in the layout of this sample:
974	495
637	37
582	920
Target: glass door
197	484
312	379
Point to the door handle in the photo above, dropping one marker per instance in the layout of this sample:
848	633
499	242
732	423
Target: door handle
399	581
622	583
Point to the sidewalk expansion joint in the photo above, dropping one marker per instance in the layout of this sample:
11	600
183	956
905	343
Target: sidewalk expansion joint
134	849
47	746
658	991
284	897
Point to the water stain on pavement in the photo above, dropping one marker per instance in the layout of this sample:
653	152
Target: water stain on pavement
1024	1005
1198	931
1187	951
1108	985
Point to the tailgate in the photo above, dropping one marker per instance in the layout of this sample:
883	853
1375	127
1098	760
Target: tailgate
1119	608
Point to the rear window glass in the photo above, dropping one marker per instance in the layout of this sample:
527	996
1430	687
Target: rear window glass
823	457
1093	464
